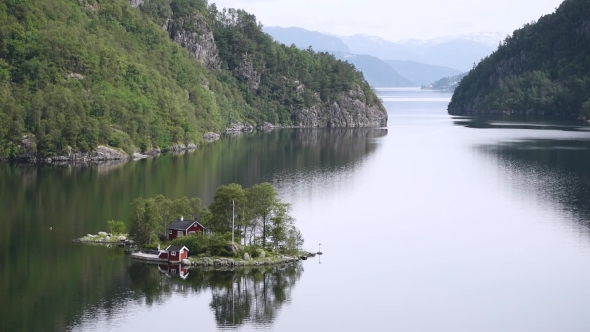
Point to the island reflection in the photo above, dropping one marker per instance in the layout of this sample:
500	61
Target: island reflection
238	297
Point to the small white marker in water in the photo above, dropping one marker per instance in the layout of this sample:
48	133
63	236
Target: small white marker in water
50	228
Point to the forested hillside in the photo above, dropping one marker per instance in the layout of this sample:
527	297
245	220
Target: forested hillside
542	69
78	73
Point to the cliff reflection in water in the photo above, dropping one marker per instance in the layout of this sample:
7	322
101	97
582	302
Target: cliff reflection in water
238	297
48	279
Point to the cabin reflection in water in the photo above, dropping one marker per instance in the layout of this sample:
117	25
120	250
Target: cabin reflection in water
174	270
245	296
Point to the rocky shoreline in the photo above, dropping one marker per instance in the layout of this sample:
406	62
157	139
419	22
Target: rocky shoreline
104	154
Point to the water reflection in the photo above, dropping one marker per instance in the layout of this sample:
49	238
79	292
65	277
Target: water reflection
507	122
48	279
238	297
557	170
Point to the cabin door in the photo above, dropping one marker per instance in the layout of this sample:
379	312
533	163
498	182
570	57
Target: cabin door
180	233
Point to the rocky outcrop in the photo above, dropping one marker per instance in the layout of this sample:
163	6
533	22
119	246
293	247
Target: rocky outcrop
247	73
104	153
194	35
237	128
183	147
211	137
136	3
349	110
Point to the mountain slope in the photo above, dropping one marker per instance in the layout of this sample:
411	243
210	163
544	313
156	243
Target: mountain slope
455	53
374	70
377	72
75	74
421	73
543	68
304	38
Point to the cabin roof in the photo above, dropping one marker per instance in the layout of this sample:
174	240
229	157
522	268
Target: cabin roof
183	224
176	248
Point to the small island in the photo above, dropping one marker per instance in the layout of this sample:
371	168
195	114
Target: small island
241	227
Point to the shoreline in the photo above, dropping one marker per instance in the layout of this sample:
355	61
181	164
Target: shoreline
105	155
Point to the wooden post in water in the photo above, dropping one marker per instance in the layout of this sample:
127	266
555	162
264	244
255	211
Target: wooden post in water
233	216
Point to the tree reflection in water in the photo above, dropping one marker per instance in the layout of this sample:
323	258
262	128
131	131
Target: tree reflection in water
241	296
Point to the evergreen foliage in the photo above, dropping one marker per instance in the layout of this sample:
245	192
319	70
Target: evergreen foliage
260	217
543	68
78	73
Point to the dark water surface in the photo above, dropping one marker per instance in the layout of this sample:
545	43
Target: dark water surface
436	223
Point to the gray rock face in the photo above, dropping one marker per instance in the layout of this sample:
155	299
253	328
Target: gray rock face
247	73
102	233
194	35
348	110
186	262
234	248
246	257
211	136
136	3
237	128
107	153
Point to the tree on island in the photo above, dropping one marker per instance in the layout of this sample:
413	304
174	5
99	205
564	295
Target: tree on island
260	218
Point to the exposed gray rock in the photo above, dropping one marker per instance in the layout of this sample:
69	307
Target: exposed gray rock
107	153
74	76
237	128
136	3
234	248
349	110
246	256
186	262
211	136
102	233
194	35
246	72
261	253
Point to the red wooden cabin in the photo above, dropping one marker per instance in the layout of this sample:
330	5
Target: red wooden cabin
175	253
184	227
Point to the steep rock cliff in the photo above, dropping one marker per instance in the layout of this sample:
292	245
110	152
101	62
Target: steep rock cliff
194	35
348	110
231	41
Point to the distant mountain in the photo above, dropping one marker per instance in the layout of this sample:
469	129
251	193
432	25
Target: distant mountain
460	54
376	71
455	53
491	39
379	47
446	83
421	73
304	38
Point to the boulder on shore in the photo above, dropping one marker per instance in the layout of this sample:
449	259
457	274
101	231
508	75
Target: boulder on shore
102	233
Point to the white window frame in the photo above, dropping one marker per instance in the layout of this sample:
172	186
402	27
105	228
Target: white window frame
170	232
173	253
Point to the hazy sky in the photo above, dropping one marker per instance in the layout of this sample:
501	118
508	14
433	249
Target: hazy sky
396	19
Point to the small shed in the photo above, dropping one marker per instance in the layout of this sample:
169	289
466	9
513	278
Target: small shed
176	253
183	227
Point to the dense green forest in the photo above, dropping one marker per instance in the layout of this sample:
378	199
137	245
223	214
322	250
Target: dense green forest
78	73
542	69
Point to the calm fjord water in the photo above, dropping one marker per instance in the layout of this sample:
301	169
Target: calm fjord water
436	223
